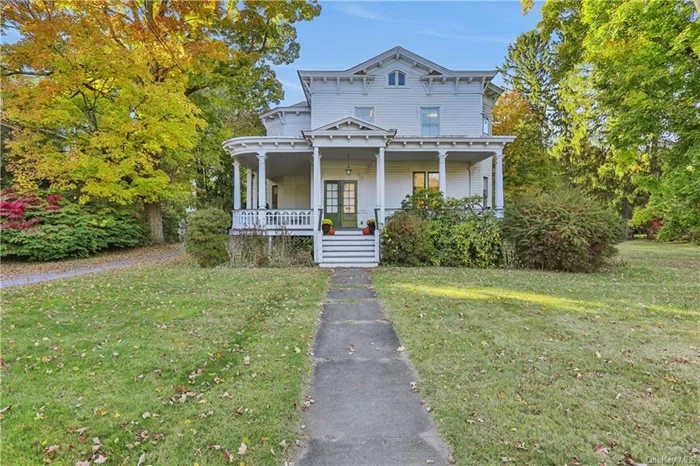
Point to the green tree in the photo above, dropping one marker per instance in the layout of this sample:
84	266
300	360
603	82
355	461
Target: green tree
103	94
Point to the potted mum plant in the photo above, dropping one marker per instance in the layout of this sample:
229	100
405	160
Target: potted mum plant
372	225
326	225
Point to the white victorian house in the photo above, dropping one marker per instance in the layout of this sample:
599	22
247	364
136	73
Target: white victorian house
362	141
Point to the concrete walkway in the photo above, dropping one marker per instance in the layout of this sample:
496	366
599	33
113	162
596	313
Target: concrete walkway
365	411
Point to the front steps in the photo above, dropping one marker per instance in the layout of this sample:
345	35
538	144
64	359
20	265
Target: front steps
348	248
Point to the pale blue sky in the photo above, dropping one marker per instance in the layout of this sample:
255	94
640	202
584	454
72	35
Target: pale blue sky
464	35
455	34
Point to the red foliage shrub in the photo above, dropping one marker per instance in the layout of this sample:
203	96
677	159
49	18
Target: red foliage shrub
23	211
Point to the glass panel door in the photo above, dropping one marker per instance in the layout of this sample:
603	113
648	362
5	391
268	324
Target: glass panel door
349	214
331	207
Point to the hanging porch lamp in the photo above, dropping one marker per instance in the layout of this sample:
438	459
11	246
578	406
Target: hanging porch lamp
348	171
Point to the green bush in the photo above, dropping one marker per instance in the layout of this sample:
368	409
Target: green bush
564	230
406	240
206	236
50	227
433	230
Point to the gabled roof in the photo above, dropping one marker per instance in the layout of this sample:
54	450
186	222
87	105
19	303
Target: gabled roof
349	123
398	52
298	107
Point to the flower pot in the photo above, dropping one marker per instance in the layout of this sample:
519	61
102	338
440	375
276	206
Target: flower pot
326	229
365	231
331	232
371	227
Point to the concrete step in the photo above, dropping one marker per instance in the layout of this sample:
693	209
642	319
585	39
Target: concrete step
354	241
348	238
346	265
346	247
369	255
347	260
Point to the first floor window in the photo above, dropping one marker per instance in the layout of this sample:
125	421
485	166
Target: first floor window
426	180
275	196
486	191
364	113
429	121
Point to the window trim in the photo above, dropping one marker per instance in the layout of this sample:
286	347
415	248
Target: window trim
426	179
420	120
372	107
485	120
485	191
396	84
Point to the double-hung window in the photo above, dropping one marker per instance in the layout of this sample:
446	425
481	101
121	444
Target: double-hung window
364	113
487	125
430	121
397	78
426	180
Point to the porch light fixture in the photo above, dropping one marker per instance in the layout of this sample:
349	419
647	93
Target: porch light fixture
348	171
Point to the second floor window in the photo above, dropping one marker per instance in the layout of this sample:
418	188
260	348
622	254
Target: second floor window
397	78
487	125
429	121
364	113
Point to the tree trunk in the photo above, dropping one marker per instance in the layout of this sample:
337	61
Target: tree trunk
154	217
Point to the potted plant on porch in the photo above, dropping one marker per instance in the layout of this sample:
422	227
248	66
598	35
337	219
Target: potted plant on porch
372	225
326	225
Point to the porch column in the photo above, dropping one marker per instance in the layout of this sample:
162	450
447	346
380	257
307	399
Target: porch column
262	187
442	171
499	183
316	202
380	187
236	184
249	189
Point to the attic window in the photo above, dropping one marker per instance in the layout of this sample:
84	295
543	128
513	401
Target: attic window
397	78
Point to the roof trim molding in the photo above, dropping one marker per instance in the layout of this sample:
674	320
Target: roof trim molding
348	121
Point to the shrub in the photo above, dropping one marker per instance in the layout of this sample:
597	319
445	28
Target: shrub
564	230
406	240
49	227
455	235
253	248
206	236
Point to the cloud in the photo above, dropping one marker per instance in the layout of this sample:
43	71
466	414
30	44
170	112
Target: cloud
359	11
447	35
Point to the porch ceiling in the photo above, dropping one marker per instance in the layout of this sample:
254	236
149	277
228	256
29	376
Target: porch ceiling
280	163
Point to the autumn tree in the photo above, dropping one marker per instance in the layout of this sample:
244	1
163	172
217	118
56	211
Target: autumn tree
105	96
528	165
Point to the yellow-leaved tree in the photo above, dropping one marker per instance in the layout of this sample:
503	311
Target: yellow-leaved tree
100	94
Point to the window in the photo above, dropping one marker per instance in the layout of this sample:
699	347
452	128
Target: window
275	196
364	113
486	191
426	180
332	198
487	123
429	121
397	78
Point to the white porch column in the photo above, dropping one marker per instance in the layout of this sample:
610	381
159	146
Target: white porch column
262	187
499	183
442	171
380	187
249	189
236	184
316	202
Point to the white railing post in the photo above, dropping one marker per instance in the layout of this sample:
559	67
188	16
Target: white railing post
499	183
262	188
442	171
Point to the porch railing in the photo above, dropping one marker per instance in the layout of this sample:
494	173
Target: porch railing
291	219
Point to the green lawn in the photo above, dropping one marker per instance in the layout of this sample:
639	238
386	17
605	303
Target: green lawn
169	360
546	368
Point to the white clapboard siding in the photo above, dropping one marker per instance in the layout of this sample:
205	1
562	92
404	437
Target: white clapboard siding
399	108
294	124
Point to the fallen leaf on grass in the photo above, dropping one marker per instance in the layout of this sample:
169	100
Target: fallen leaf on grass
100	460
505	459
242	449
51	449
142	459
598	448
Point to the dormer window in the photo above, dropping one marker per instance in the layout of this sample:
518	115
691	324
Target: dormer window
397	78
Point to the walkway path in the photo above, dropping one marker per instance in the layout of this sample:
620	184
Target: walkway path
39	277
364	411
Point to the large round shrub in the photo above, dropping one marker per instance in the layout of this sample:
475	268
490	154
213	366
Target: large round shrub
206	236
564	230
406	240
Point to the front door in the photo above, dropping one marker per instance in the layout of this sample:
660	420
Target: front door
341	203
